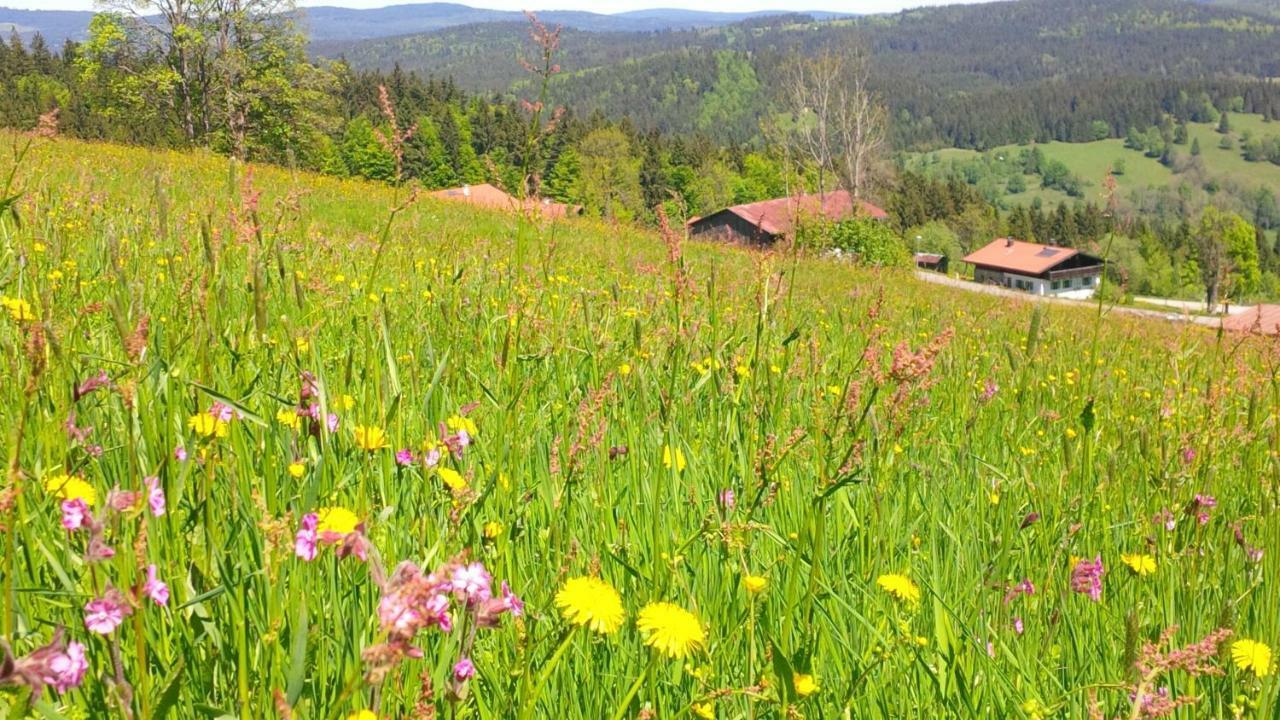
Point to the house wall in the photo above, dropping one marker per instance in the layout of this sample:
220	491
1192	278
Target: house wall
1077	288
727	226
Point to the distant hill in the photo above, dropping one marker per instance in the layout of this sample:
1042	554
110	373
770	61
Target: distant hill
328	24
57	26
967	75
1264	7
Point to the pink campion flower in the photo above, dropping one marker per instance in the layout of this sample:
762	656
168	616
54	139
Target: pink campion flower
59	664
308	389
304	543
180	454
989	390
1188	455
100	380
431	458
75	514
332	423
436	612
472	583
222	411
1086	578
1023	588
727	499
103	615
98	549
123	500
1031	519
1166	518
1017	625
1200	507
404	457
464	670
68	668
155	496
513	603
154	588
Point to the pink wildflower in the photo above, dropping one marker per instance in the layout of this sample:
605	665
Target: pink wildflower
103	615
472	583
180	454
75	514
155	496
404	457
154	588
464	670
304	543
1086	578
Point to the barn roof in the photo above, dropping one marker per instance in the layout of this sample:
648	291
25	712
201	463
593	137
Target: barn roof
1020	257
1263	318
777	216
486	195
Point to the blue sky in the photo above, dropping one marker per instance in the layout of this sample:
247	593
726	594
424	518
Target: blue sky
856	6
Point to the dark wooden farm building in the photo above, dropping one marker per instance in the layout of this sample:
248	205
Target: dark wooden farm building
766	221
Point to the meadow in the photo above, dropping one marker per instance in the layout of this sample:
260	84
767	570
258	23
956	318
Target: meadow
288	446
1092	161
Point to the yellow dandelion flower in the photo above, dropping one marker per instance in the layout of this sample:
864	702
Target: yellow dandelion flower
1252	655
362	715
302	344
624	369
18	308
370	438
452	478
591	602
900	587
1139	563
492	529
70	487
805	685
297	469
667	458
206	425
459	423
289	418
755	583
670	629
706	710
347	402
338	520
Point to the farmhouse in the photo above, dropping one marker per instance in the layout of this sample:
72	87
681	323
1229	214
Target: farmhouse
766	221
1036	269
488	196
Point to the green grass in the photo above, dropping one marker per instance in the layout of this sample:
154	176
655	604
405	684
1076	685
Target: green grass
867	423
1093	160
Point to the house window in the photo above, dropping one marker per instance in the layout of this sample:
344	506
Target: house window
1056	285
1086	281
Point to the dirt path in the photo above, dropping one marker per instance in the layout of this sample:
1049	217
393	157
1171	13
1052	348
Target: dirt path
968	286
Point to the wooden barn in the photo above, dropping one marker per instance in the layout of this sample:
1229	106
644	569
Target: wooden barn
767	221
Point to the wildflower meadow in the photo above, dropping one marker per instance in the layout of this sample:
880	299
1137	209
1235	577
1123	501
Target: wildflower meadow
287	446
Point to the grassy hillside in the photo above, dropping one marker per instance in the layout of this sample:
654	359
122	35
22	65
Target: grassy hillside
866	495
1091	162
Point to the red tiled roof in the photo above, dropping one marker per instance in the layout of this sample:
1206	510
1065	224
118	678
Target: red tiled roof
1020	257
776	217
486	195
1264	318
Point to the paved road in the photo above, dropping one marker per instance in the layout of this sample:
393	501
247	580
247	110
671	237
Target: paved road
938	279
1194	306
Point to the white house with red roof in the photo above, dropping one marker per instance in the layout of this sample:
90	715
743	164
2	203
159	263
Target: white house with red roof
1037	269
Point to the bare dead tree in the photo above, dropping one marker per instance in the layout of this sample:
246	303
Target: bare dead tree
838	124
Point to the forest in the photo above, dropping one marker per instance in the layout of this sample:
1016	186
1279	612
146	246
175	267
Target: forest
972	76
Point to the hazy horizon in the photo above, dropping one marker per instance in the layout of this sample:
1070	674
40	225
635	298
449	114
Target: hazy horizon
599	6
